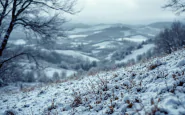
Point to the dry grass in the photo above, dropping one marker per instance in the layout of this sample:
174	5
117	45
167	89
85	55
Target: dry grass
153	66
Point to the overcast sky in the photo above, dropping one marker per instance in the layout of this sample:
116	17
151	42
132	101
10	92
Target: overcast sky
122	11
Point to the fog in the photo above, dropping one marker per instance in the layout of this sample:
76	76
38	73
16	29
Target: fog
123	11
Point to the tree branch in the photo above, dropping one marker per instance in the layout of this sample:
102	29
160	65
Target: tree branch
1	3
64	8
5	61
18	55
25	5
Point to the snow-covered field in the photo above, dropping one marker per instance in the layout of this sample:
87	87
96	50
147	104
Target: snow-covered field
96	32
153	88
77	36
106	44
94	28
127	33
137	38
137	52
76	54
18	42
76	43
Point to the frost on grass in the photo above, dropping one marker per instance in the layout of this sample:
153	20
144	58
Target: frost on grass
155	64
131	90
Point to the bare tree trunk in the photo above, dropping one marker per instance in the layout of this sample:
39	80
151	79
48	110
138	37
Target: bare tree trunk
1	19
6	37
10	28
4	11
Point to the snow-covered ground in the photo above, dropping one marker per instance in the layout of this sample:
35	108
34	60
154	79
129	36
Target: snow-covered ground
137	38
102	45
76	54
93	28
18	42
127	33
153	88
76	43
95	51
96	32
109	56
137	52
77	36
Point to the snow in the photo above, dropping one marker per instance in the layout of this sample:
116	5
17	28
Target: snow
19	42
133	90
109	56
137	38
77	36
96	32
50	71
137	52
127	33
152	35
76	44
76	54
94	28
181	63
95	51
103	45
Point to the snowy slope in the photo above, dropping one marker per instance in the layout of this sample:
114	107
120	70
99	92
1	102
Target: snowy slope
153	88
137	52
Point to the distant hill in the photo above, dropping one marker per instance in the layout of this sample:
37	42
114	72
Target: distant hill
160	24
76	25
108	33
117	28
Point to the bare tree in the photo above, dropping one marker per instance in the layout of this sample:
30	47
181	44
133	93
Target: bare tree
178	6
171	39
42	17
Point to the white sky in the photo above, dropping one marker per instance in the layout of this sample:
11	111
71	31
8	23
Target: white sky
123	11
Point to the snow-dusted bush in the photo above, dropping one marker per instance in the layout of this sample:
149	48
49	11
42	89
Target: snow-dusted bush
155	65
63	75
10	112
43	78
56	77
29	77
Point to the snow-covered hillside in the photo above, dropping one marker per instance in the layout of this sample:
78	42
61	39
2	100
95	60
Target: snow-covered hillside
76	54
86	45
137	52
156	87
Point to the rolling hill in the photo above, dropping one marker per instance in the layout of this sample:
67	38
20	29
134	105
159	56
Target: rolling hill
155	87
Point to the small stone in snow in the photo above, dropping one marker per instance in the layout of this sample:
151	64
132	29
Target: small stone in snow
25	106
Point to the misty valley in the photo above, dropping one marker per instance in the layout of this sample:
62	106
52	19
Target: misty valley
92	57
91	48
